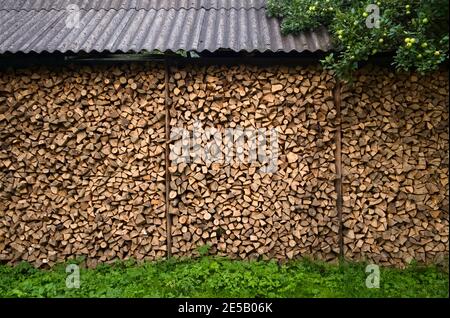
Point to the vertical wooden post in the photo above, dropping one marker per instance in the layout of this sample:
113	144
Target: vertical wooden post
338	156
167	162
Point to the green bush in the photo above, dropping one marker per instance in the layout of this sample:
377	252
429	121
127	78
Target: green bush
416	31
217	277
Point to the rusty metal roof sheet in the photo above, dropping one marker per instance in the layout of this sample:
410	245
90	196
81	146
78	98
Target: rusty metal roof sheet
138	25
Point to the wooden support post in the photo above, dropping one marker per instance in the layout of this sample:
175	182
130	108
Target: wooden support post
167	161
338	156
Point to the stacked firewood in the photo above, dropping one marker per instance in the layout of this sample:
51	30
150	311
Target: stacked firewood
395	167
82	163
237	207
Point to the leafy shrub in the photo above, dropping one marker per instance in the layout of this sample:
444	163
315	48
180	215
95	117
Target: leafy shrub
415	30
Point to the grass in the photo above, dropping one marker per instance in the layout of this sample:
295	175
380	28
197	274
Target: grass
217	277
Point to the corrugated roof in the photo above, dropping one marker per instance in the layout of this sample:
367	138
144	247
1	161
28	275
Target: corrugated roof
28	5
137	25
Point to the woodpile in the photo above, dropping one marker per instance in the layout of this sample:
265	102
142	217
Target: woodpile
82	164
234	207
395	167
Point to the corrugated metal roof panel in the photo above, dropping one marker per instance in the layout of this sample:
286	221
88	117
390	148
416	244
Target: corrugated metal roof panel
28	5
39	28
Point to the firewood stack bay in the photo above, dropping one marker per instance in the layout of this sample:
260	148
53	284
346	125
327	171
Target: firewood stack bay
89	164
395	160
